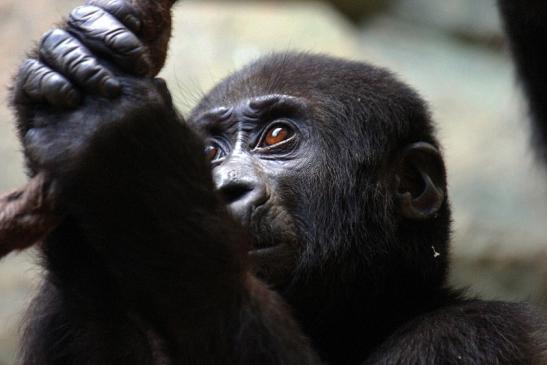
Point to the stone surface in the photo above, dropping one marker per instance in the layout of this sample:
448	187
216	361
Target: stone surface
471	19
354	10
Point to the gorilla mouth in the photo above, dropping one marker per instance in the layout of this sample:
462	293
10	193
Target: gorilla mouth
260	225
267	251
272	250
271	228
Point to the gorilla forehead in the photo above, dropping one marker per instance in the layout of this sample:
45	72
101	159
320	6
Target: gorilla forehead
311	76
367	101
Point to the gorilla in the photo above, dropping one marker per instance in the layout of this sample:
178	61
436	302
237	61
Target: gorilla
299	215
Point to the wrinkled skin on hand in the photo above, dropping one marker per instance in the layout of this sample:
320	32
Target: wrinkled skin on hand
66	60
65	74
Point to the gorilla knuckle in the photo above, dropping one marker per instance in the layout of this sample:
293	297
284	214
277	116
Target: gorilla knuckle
56	45
53	37
28	67
129	51
45	41
58	91
86	68
112	6
122	10
33	75
96	77
42	84
123	42
84	14
101	31
53	82
91	23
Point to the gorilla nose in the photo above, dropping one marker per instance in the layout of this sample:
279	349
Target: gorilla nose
242	197
233	192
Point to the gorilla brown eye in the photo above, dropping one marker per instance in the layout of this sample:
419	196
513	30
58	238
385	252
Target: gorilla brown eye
276	134
212	152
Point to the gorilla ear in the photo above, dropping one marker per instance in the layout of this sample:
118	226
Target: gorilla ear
420	181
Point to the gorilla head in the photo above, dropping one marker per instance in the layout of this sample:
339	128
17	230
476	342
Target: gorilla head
333	166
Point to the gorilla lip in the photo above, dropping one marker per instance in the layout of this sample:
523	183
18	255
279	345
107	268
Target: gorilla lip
265	249
254	222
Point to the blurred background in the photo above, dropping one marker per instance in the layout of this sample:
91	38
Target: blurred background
452	52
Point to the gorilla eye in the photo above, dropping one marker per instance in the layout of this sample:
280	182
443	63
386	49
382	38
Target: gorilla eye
276	134
213	152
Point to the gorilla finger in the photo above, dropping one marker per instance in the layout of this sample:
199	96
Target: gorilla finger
122	10
42	84
103	33
67	55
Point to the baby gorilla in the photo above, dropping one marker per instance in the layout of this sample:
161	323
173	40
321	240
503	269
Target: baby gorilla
299	216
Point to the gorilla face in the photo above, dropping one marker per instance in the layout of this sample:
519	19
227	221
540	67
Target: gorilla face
260	150
324	161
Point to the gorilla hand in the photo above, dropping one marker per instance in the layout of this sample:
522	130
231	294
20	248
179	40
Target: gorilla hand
67	59
83	64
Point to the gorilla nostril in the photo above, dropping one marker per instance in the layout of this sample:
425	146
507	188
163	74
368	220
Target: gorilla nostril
235	192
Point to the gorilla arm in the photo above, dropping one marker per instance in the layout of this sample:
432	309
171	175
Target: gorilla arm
526	26
145	235
143	197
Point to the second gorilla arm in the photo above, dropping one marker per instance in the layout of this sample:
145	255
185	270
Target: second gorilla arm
526	27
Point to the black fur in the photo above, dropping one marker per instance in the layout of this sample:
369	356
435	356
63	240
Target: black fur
149	266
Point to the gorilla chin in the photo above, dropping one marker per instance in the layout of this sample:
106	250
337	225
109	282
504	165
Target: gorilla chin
275	244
